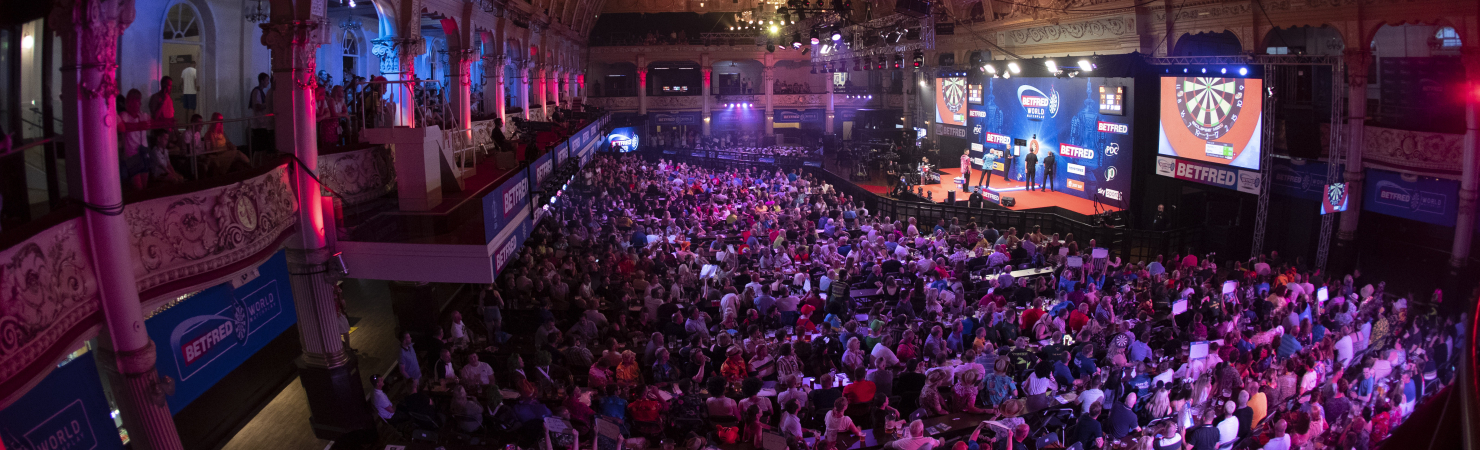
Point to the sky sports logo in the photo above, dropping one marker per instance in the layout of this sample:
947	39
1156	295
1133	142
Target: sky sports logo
1112	127
1076	152
1109	193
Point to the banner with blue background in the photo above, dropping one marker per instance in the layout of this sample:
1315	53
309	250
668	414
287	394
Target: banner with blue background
1303	181
1092	152
205	337
66	411
800	115
501	205
1427	199
677	118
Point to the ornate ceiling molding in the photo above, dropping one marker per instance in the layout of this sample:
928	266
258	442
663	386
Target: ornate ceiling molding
1069	32
1215	11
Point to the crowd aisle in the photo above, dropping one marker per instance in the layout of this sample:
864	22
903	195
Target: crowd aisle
760	308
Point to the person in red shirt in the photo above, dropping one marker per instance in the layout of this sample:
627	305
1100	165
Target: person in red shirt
1079	317
1031	316
861	391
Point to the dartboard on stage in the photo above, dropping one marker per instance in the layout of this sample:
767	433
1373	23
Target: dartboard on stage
1209	106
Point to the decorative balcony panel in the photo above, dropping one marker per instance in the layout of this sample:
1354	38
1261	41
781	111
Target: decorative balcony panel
896	101
799	99
613	103
754	99
1414	150
181	236
48	300
363	174
676	102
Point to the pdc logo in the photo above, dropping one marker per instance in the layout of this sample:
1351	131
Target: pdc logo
976	130
1076	152
1112	127
1112	150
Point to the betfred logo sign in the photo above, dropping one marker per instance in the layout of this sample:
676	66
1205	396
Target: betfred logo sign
993	138
1076	152
1239	180
978	113
202	339
1112	127
1074	184
514	197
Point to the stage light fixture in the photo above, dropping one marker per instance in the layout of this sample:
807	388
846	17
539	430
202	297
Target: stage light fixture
1007	75
1205	70
806	50
1013	67
1184	70
1086	66
1223	71
1051	65
775	29
990	69
814	39
1242	71
837	35
796	40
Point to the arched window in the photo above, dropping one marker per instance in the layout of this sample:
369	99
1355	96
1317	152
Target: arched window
350	43
1446	39
182	23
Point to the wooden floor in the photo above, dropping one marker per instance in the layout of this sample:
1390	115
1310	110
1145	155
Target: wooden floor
283	424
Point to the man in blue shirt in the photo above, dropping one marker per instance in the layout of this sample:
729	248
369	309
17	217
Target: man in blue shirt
989	162
1122	420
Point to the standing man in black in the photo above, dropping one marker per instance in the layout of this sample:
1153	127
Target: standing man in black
1048	171
1030	167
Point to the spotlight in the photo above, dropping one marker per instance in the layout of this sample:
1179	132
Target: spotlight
1205	70
1243	71
1223	71
1184	70
1086	66
1007	75
837	35
1013	67
796	40
774	29
990	69
1052	66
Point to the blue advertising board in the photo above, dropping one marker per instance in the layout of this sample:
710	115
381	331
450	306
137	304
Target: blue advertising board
543	167
624	138
66	411
1426	199
1303	181
513	240
677	118
1092	152
507	200
799	115
208	335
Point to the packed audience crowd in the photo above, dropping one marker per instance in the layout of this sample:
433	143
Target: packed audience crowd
695	307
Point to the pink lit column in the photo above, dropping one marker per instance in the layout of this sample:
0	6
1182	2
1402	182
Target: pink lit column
330	377
524	88
552	84
493	71
462	91
90	30
544	94
1464	225
397	56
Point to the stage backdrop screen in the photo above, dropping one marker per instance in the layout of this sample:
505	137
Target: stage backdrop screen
1092	151
1211	119
950	101
624	138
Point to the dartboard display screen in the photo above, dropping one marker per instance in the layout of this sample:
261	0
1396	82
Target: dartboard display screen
1212	119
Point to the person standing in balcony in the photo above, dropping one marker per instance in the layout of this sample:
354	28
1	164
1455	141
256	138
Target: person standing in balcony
190	85
261	105
162	103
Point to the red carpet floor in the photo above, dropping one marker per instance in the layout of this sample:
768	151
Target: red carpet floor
1014	189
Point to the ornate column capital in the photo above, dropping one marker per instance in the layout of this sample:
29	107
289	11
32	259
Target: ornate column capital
96	26
1358	61
294	44
391	49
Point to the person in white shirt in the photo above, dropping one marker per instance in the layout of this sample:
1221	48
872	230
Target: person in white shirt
1228	427
476	372
459	330
1343	348
380	401
1280	441
915	439
190	84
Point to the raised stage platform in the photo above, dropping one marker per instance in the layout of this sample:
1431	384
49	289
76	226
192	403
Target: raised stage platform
1025	200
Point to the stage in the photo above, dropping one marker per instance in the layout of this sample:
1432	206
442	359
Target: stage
1025	199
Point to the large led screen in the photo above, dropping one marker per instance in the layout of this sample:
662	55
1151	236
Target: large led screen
1212	119
950	101
1092	151
622	139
